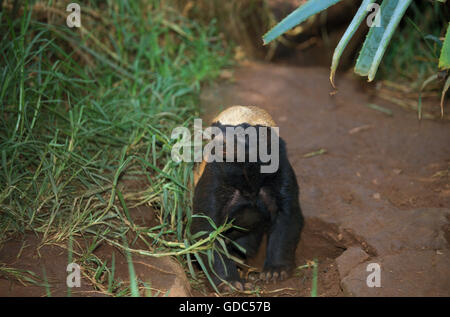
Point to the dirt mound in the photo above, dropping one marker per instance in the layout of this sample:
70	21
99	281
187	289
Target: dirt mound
320	242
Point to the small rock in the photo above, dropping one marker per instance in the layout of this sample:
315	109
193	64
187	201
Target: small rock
226	74
349	259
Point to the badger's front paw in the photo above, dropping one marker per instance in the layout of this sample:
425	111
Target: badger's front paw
229	287
275	273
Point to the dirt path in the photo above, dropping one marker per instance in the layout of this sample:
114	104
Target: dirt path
380	193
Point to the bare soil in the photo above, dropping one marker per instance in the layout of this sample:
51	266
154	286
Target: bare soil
163	276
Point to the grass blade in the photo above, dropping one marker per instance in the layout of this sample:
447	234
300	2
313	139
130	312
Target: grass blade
425	83
133	279
111	274
314	279
380	109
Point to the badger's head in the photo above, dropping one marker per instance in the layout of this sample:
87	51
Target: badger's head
245	139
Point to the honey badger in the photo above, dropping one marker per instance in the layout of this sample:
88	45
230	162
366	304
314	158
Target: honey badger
257	203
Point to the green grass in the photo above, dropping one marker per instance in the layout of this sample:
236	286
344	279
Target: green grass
314	265
84	111
314	279
24	277
413	54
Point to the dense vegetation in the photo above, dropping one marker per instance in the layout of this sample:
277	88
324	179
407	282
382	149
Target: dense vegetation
88	112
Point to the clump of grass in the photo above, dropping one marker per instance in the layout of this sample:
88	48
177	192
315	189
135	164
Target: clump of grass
81	109
409	69
413	54
242	21
25	277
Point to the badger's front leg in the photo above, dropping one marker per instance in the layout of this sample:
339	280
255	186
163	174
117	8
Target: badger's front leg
211	200
286	225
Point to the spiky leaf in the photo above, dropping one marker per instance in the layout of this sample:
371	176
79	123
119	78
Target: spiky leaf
379	37
354	25
444	60
299	15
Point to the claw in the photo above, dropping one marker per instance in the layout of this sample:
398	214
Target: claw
275	277
248	286
238	286
231	287
262	276
224	288
268	277
252	277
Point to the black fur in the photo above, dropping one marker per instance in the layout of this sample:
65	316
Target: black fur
260	203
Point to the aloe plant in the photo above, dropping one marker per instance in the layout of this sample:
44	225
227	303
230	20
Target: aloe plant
444	60
390	14
444	63
378	38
